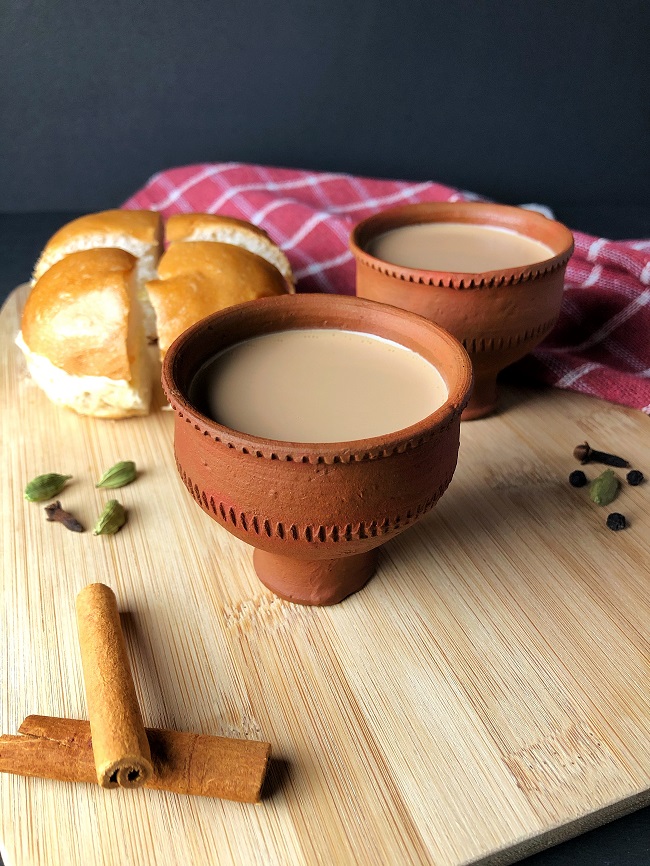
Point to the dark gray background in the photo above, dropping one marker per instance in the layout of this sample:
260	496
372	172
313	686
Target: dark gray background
521	101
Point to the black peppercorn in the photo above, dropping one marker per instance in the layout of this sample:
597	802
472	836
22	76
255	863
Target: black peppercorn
577	478
634	477
616	521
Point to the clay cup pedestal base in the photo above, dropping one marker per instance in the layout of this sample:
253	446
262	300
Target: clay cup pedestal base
316	513
498	316
485	394
316	581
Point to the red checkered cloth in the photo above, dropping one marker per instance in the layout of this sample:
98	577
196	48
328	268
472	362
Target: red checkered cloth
600	346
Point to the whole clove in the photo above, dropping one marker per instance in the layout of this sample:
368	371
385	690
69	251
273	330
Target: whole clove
56	514
585	454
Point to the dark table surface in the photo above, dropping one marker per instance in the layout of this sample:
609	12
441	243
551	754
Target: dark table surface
625	842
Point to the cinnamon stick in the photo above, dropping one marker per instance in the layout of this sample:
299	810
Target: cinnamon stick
183	763
119	743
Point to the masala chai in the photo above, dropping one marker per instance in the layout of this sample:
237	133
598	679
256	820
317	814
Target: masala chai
457	247
318	385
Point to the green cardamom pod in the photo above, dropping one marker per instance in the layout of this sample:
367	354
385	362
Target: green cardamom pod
45	486
119	475
603	489
112	518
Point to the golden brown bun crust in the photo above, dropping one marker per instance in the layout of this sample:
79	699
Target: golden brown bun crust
77	314
182	225
196	227
202	277
228	264
145	225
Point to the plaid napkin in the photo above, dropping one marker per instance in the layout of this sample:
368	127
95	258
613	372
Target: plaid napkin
600	346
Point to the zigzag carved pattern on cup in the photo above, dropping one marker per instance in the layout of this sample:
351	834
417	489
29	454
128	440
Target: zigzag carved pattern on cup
474	345
260	526
451	282
289	456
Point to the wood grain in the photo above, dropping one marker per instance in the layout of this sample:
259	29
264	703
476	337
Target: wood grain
487	694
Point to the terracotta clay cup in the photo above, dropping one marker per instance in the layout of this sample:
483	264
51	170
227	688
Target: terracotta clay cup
315	513
498	316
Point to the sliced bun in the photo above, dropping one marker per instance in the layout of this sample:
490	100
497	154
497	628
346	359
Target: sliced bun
202	277
138	232
83	338
100	285
229	230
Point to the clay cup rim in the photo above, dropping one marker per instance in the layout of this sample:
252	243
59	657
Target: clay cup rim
530	223
269	315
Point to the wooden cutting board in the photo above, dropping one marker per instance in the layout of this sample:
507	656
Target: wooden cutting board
486	695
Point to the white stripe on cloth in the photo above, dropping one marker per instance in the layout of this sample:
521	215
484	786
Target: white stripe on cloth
341	231
276	203
271	186
180	202
595	248
376	202
611	325
182	188
624	354
318	267
645	275
573	375
593	277
268	208
318	217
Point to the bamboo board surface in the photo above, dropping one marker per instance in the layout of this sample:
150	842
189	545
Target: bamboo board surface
486	695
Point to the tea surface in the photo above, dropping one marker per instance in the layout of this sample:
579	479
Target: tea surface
457	247
318	385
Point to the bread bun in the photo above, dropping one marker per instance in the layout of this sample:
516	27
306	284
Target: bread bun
202	277
96	293
82	335
138	232
229	230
